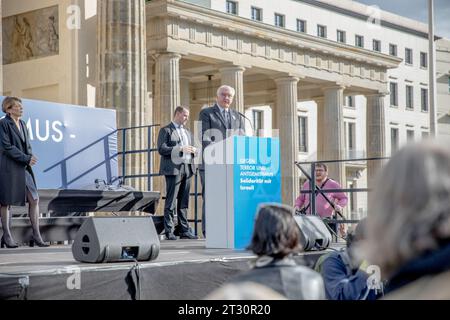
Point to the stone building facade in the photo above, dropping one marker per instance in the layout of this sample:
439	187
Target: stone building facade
337	80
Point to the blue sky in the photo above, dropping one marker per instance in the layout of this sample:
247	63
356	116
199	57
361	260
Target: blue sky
418	10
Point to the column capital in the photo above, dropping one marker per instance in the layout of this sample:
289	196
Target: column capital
333	87
282	75
319	99
379	94
286	79
232	68
168	55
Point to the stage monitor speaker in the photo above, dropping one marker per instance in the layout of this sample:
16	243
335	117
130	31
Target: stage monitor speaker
314	232
114	239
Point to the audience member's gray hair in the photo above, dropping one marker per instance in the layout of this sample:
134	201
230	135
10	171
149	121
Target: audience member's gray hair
409	212
221	88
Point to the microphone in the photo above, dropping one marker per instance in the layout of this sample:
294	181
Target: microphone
251	124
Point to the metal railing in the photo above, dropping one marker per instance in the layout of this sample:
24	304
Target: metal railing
124	152
149	175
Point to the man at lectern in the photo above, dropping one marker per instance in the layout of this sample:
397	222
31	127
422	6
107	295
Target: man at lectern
177	154
219	122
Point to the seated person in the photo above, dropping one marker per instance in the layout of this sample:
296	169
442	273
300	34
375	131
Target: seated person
343	273
276	237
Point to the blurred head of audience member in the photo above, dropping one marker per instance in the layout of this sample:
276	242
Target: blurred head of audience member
409	222
244	291
276	233
353	243
276	237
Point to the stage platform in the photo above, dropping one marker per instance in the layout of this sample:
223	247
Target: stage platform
184	270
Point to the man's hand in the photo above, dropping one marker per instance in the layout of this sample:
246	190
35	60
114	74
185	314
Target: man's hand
188	149
364	265
33	161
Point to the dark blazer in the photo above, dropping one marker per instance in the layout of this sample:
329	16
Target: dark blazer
169	142
211	118
15	156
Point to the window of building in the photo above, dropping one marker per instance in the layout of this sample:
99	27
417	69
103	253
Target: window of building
393	49
256	14
350	101
350	139
301	25
424	99
359	41
409	135
409	97
394	93
408	56
257	116
232	7
423	59
279	20
303	133
394	140
341	36
321	31
377	45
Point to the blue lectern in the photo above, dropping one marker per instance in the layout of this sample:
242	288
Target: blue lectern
240	173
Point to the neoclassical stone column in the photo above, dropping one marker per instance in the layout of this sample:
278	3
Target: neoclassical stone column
150	91
375	134
333	132
234	76
320	134
167	87
121	70
185	96
155	183
288	131
166	99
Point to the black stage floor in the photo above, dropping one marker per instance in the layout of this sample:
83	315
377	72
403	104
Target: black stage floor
184	269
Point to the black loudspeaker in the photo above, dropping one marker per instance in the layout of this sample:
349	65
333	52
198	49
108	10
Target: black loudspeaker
314	232
113	239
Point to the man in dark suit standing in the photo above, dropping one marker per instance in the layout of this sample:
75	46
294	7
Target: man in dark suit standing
218	123
177	153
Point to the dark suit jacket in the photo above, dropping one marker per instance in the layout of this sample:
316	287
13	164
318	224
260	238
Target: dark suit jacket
15	156
211	118
169	147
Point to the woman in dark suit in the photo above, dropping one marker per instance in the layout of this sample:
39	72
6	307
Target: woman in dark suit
17	183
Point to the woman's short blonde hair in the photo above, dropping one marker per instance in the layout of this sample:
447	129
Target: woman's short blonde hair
10	102
409	212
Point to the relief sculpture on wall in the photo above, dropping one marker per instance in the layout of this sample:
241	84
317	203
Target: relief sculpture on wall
31	35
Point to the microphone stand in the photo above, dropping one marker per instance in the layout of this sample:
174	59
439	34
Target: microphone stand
251	124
